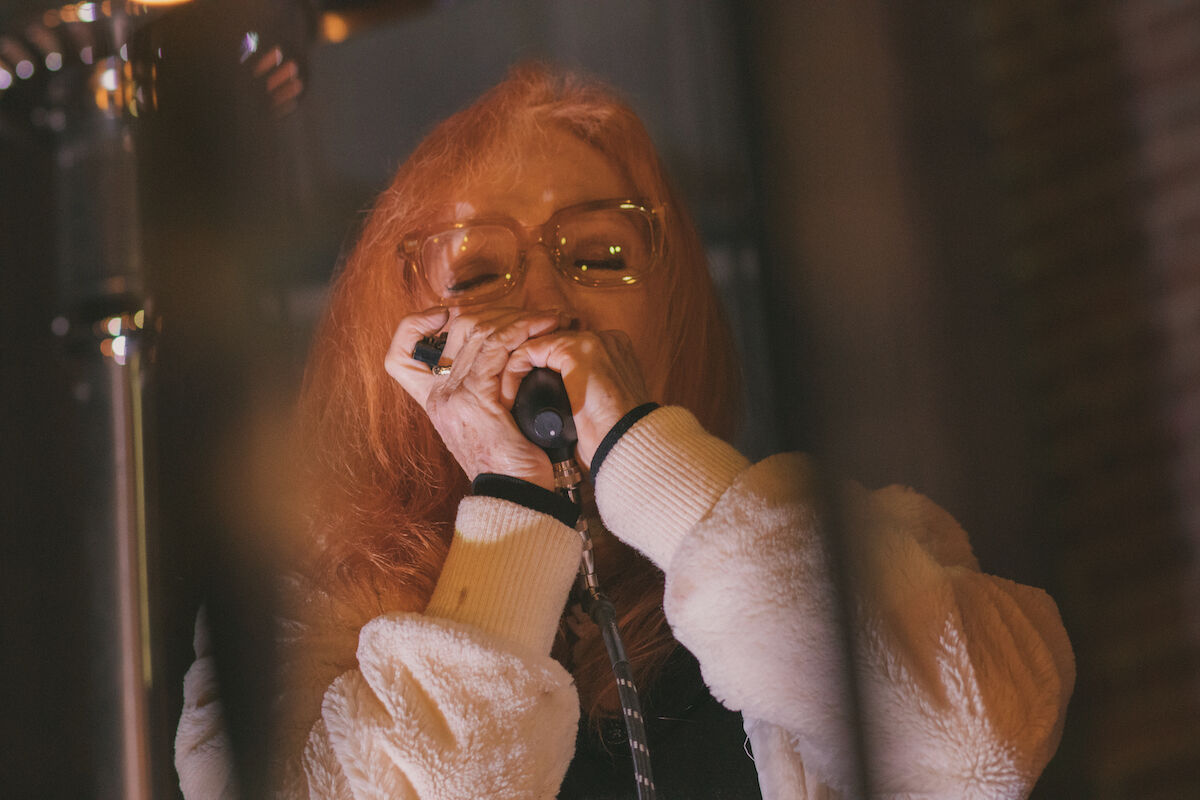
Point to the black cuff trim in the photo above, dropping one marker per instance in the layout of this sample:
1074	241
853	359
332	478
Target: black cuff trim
524	493
623	424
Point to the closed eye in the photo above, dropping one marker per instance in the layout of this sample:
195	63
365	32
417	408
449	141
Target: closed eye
589	264
474	282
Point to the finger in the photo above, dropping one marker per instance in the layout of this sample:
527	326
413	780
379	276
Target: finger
465	336
485	346
411	374
581	358
477	324
519	365
560	351
427	323
419	325
468	326
497	347
487	339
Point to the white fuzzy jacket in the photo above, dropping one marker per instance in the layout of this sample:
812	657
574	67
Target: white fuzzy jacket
964	677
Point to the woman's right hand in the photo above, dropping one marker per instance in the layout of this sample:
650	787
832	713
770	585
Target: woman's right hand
465	405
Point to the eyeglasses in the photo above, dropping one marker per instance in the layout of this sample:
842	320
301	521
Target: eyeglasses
599	244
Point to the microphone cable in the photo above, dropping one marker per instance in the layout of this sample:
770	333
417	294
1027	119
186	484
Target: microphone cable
543	414
542	411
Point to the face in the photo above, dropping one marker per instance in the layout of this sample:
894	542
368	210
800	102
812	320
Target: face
550	173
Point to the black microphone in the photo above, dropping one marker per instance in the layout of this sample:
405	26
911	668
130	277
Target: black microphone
543	413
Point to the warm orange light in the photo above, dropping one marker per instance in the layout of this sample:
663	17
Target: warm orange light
160	2
334	27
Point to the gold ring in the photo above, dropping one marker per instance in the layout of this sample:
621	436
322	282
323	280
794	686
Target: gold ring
440	369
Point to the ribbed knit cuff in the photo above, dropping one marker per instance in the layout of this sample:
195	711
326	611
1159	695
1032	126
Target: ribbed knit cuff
661	478
616	432
530	495
508	572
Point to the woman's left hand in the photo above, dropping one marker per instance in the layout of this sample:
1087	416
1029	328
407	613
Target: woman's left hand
465	406
601	374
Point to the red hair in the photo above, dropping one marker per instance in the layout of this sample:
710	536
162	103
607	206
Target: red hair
384	488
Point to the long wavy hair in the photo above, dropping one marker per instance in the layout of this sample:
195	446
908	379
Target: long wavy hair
384	489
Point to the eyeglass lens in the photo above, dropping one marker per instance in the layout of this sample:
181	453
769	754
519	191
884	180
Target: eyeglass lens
596	248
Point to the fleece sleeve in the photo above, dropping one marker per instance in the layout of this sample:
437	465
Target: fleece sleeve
462	701
964	677
202	756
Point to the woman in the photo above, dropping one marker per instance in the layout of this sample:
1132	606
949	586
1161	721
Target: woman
536	228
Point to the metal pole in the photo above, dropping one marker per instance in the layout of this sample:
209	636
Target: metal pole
69	76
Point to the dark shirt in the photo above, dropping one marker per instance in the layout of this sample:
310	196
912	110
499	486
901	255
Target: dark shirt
698	749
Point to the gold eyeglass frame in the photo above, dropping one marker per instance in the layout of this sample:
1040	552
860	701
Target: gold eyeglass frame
529	236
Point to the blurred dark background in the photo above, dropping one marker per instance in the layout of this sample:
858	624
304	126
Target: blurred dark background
958	244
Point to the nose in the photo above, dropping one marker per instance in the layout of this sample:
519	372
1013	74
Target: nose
542	287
